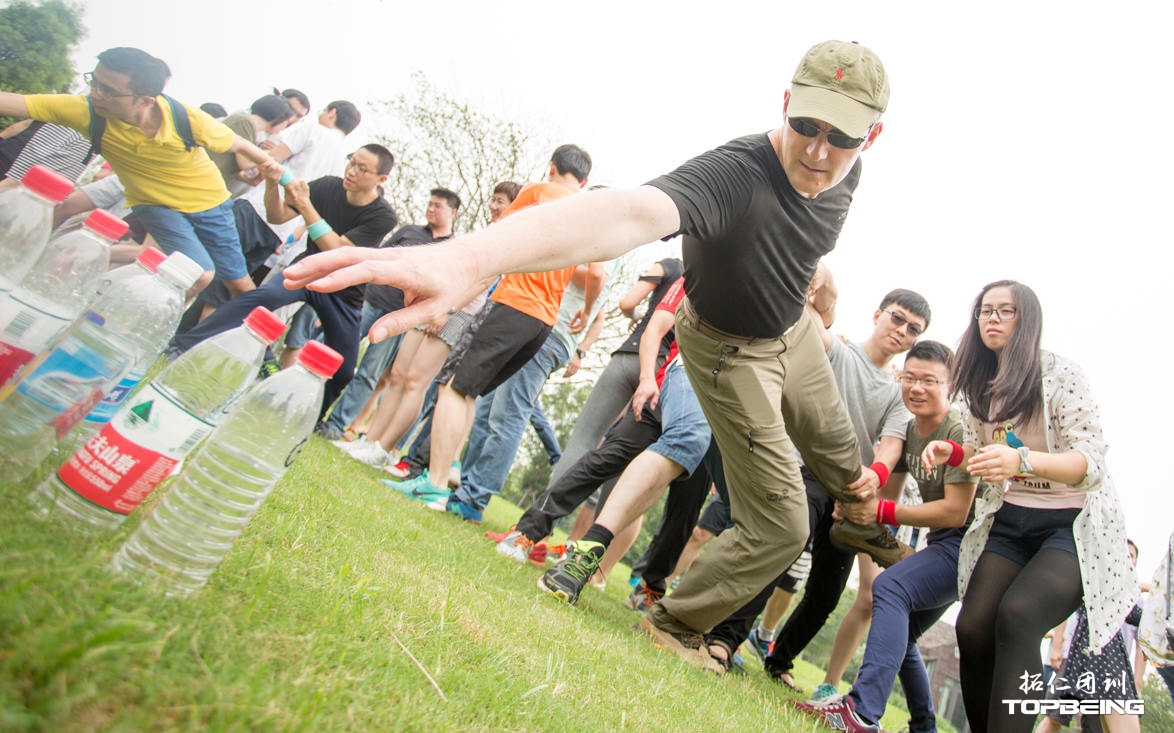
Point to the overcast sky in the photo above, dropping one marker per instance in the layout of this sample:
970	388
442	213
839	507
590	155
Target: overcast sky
1025	140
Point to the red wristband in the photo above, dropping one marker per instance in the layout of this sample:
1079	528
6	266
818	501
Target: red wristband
886	512
955	458
881	471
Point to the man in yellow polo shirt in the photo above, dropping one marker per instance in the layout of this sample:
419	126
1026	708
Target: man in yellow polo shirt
177	193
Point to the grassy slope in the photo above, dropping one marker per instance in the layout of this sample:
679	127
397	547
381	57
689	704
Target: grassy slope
343	607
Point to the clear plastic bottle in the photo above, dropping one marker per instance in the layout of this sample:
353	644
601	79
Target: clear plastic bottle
195	525
26	218
54	292
94	354
154	431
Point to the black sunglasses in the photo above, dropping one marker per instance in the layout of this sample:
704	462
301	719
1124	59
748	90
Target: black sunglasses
836	139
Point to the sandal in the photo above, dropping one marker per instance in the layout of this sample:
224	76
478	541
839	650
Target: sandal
721	653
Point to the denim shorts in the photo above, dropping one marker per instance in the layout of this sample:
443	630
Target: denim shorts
684	436
1019	533
208	237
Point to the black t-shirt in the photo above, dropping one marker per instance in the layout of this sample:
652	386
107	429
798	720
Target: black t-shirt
751	242
385	297
364	226
673	269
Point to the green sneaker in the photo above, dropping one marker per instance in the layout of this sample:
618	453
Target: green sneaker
566	580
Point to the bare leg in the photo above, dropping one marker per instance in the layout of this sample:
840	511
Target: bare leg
639	487
448	426
697	540
776	608
240	285
855	625
384	419
619	546
583	521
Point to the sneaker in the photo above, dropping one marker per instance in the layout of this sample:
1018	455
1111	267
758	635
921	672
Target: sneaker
454	475
876	541
642	598
269	367
419	488
556	553
464	511
825	691
838	713
760	648
400	470
327	431
688	645
367	451
516	546
567	580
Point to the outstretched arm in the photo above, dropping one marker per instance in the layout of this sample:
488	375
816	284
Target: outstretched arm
589	227
12	105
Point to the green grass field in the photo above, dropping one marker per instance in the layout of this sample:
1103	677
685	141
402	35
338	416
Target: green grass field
343	607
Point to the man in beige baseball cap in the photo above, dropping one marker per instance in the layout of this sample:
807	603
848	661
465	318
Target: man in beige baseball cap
755	216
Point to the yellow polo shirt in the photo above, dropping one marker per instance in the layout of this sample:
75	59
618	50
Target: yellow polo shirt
153	170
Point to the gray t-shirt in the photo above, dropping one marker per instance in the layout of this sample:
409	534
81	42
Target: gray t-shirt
932	486
871	395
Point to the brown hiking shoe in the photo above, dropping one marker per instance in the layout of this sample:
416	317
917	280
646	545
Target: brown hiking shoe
875	540
689	646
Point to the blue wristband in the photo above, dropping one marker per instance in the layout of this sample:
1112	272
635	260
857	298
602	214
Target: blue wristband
317	229
286	177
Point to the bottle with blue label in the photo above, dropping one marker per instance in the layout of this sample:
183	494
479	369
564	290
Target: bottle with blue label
62	282
95	353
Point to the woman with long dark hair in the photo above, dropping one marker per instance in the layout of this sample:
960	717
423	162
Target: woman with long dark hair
1048	531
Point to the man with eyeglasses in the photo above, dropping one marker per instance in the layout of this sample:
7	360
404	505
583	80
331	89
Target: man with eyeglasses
756	214
340	213
863	376
911	596
177	193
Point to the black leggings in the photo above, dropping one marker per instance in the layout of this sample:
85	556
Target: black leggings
1007	610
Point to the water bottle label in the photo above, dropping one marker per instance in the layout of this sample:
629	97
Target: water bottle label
105	410
134	452
71	381
25	331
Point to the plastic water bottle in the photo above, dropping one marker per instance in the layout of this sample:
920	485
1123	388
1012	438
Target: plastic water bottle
94	354
159	426
26	218
195	525
52	294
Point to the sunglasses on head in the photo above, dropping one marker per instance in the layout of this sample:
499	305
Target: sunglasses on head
806	128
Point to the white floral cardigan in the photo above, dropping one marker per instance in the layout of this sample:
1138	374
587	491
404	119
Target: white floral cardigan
1073	423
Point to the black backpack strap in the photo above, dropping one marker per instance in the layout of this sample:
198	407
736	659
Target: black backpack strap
97	127
183	123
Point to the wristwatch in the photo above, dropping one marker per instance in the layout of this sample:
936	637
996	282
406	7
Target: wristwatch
580	353
1024	463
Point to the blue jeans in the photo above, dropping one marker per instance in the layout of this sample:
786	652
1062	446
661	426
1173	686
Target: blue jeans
375	360
340	324
907	599
208	237
684	436
499	424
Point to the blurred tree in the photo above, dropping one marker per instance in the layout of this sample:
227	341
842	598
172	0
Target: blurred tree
36	40
439	140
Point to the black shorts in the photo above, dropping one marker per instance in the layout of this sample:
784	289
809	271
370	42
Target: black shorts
716	517
506	340
1018	533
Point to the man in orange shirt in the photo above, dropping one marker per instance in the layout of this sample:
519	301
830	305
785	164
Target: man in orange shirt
514	326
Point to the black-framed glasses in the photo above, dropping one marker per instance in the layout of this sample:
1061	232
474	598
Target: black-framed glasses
1004	312
928	382
836	139
103	90
899	320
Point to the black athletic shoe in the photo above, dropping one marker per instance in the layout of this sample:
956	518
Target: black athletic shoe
566	580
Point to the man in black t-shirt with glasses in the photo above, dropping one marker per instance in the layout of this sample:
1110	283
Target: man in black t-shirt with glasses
756	216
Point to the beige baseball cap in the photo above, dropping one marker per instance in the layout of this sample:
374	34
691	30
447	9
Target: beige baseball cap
841	83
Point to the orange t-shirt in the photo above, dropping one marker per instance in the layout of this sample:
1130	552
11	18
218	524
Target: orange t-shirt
537	294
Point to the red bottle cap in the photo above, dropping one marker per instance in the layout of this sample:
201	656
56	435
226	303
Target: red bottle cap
151	258
320	359
106	225
266	325
44	182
